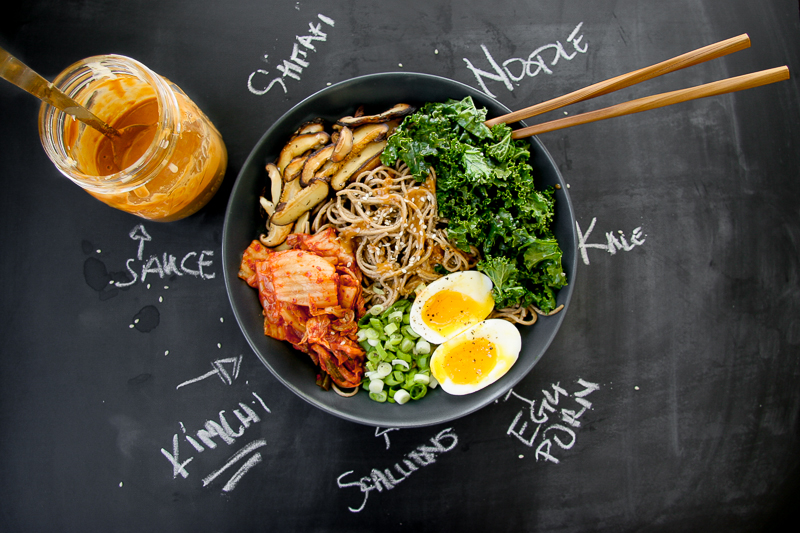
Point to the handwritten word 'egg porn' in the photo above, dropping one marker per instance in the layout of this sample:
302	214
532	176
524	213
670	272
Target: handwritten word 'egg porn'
259	82
550	424
513	70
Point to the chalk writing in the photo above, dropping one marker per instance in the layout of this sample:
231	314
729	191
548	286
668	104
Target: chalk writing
385	433
514	69
192	263
220	371
614	241
204	439
140	234
421	456
558	424
250	463
292	67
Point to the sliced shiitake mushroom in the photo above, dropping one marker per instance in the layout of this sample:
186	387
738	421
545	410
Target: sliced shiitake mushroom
366	134
363	136
302	225
398	111
343	144
276	182
304	200
367	159
293	169
276	235
312	126
267	206
299	145
290	190
314	163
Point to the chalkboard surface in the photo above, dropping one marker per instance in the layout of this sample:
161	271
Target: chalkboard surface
668	401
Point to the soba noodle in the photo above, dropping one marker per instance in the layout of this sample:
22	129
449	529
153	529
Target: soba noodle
399	238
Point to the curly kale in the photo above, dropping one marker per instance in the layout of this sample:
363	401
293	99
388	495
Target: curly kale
485	188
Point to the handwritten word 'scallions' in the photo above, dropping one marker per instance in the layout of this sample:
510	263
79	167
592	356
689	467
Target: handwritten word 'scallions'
423	455
292	67
513	70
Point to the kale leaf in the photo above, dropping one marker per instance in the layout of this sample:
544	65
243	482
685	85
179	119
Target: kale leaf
485	188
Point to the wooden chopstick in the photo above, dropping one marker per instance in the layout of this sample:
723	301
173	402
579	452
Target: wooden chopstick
688	59
729	85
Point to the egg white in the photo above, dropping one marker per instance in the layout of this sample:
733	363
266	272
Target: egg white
507	342
472	283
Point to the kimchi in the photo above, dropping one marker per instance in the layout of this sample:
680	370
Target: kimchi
312	298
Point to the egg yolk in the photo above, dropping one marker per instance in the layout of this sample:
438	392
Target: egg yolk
470	361
449	311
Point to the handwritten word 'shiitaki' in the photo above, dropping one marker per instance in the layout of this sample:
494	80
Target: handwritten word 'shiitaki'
514	69
292	67
206	439
191	264
614	241
550	424
423	455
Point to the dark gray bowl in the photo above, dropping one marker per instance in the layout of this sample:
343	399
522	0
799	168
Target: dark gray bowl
377	92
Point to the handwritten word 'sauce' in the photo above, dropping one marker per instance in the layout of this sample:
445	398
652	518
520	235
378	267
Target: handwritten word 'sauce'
614	242
203	439
558	424
292	67
514	69
191	264
423	455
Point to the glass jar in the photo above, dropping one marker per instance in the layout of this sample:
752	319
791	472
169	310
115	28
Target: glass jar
168	160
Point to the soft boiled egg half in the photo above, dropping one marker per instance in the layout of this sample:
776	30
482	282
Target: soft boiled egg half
473	352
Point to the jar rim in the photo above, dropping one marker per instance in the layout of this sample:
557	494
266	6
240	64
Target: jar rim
100	67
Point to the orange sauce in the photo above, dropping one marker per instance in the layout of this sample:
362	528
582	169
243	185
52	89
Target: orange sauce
137	128
194	162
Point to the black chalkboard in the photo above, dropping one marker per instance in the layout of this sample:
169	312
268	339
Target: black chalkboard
673	381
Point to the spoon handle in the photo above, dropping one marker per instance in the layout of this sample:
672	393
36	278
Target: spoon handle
18	73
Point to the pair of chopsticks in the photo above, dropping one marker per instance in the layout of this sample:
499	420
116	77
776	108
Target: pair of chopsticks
712	51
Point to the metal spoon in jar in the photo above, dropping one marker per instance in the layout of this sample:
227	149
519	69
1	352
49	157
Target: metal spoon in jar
18	73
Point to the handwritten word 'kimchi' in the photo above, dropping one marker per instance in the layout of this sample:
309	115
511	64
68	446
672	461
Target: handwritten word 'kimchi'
311	295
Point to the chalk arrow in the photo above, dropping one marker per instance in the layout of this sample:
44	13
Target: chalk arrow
140	234
385	433
227	377
233	362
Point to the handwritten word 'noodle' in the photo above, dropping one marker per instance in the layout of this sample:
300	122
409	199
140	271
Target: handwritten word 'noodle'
515	69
